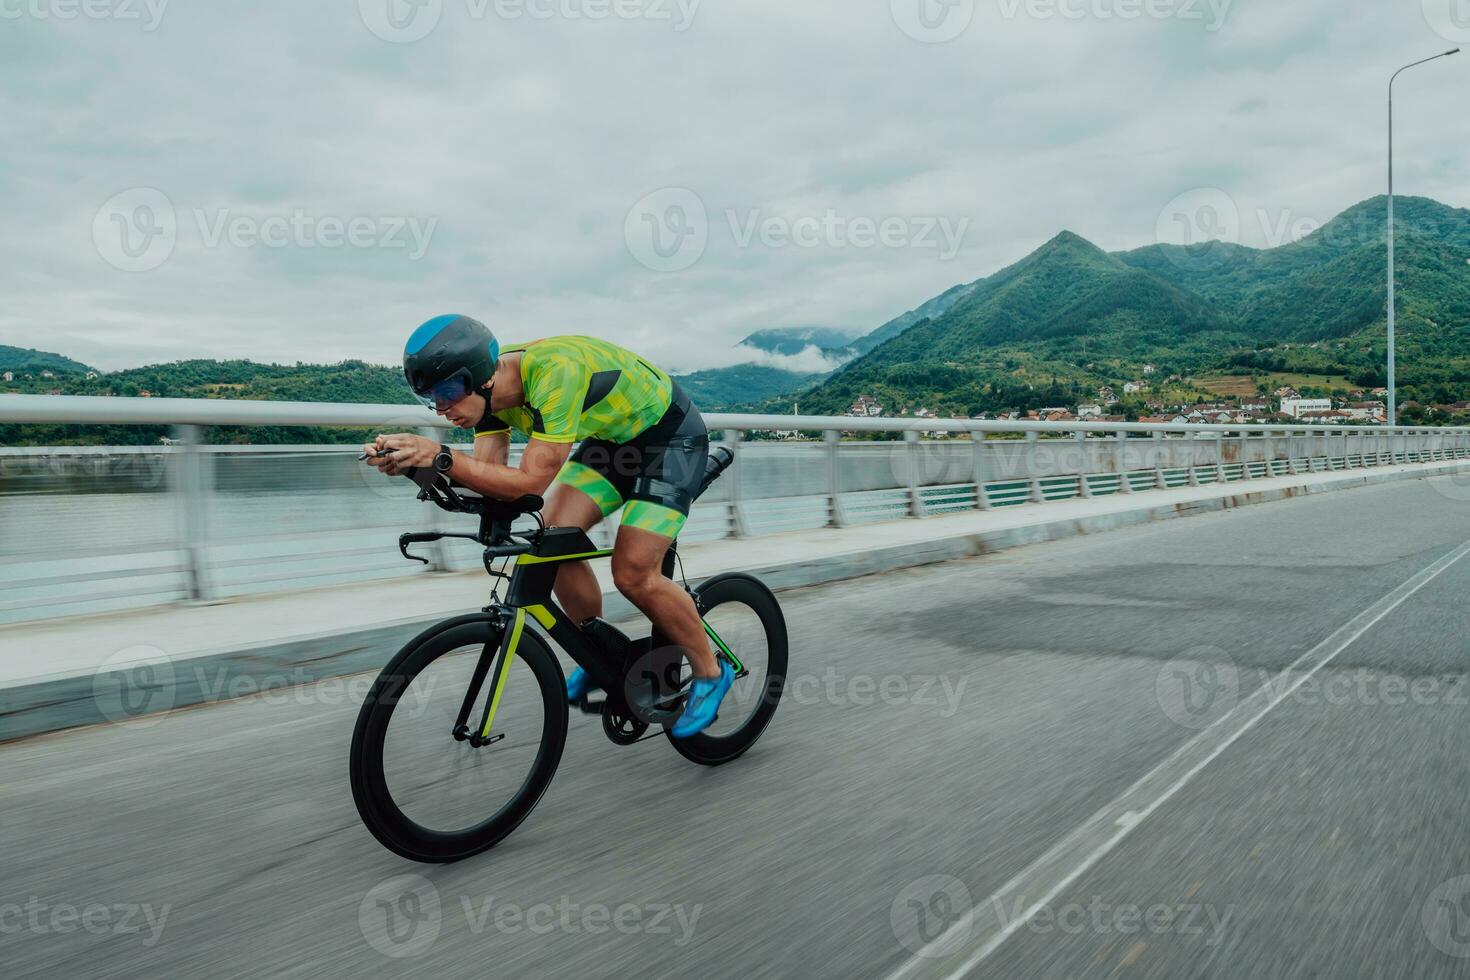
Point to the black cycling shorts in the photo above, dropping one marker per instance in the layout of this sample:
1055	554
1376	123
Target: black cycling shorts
653	477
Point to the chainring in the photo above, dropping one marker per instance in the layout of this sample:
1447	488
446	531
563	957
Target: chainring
621	726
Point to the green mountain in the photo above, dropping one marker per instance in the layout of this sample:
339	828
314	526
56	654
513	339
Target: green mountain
1027	327
742	384
24	360
1069	317
931	309
1329	284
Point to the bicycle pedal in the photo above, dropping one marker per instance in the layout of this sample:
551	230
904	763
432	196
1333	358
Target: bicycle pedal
478	742
588	707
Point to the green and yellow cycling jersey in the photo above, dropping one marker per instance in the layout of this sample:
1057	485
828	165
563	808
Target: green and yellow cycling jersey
582	388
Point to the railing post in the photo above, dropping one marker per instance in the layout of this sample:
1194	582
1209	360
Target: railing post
836	517
1269	452
977	450
1194	440
1220	457
738	526
1033	442
1158	450
911	451
193	486
1084	490
1120	453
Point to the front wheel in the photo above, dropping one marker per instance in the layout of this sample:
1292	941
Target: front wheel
431	796
744	623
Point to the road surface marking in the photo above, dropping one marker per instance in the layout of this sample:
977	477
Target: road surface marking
991	922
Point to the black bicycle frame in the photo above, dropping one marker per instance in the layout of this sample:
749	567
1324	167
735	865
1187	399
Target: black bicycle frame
530	595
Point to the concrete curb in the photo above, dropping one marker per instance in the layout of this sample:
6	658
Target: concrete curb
127	696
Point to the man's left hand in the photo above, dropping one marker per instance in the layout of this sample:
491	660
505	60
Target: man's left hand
408	450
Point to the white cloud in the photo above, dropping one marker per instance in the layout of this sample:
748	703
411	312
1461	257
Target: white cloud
529	140
811	360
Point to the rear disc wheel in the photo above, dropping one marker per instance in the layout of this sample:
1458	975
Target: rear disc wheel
743	617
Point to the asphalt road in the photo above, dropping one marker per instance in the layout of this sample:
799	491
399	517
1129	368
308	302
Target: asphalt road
1081	724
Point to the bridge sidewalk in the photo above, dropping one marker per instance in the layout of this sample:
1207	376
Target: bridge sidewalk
58	673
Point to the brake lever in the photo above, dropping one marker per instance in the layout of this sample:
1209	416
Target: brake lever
404	540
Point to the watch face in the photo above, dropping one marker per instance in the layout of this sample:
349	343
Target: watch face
444	461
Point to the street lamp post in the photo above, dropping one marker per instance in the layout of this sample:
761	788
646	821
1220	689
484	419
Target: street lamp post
1393	407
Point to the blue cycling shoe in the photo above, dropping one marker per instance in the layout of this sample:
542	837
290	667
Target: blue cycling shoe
703	704
579	685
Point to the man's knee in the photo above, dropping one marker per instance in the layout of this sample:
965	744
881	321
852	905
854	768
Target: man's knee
633	581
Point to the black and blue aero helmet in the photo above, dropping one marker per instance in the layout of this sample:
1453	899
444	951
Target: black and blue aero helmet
448	358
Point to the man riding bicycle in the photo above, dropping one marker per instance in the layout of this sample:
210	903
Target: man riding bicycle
642	448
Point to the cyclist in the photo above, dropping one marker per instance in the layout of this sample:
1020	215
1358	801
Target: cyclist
642	448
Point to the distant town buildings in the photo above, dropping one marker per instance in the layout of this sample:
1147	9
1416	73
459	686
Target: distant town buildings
1377	411
1298	407
9	375
865	407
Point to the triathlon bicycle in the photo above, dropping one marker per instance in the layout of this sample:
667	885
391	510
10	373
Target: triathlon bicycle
461	733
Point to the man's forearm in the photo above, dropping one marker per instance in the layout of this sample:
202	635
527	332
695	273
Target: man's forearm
497	480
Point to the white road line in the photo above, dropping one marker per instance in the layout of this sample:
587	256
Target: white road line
991	922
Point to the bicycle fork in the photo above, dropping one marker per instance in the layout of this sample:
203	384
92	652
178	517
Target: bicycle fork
499	657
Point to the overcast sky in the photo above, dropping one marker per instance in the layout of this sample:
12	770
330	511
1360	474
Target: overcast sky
309	180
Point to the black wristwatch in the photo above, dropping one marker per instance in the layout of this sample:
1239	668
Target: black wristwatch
444	461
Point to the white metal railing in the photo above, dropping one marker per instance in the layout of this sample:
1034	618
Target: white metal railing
85	528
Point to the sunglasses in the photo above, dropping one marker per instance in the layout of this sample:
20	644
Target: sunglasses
443	394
